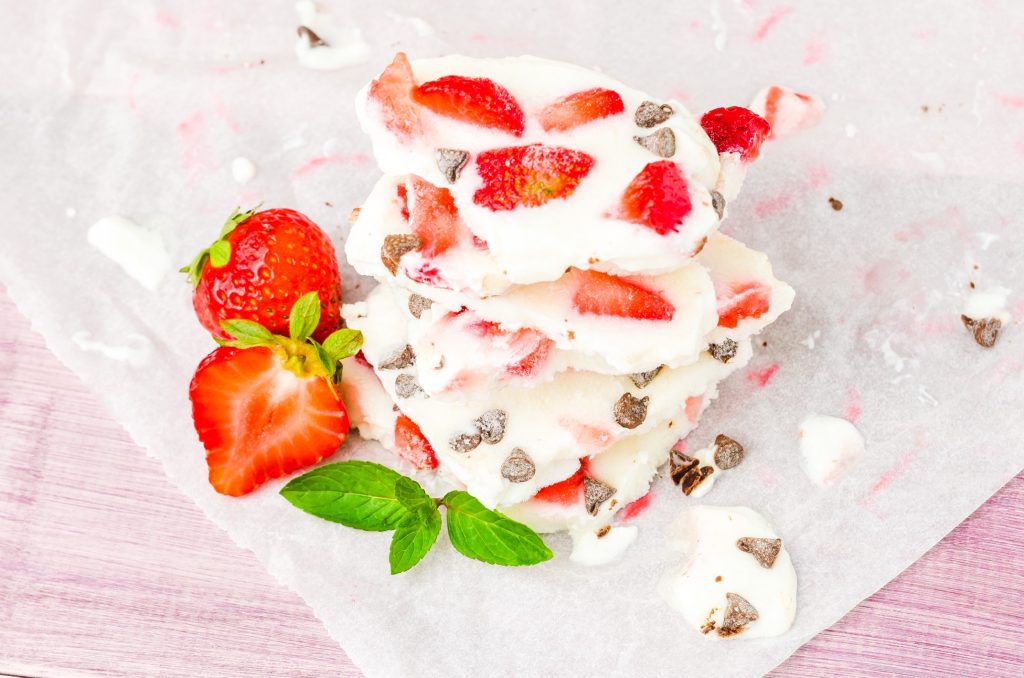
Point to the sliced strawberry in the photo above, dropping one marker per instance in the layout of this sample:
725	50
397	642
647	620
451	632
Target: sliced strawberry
258	420
529	176
736	130
392	91
602	294
658	198
746	300
478	101
529	347
635	508
580	108
411	445
568	491
434	217
403	200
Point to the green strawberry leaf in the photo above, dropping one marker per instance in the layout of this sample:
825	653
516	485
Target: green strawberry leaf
358	494
343	343
479	533
417	532
246	332
326	359
305	316
236	218
220	253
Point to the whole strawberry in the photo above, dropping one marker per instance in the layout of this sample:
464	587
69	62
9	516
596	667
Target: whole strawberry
259	266
266	405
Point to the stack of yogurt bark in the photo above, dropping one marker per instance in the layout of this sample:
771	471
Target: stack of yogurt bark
556	307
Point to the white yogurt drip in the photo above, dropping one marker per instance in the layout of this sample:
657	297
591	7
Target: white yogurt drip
345	46
136	351
716	566
422	28
138	250
987	303
829	446
590	549
243	170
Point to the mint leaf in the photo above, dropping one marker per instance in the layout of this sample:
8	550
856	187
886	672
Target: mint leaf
343	343
418	531
246	332
479	533
305	316
220	253
359	494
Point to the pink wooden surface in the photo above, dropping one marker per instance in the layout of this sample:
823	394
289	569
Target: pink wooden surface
105	568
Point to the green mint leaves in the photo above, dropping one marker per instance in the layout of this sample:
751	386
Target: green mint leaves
369	496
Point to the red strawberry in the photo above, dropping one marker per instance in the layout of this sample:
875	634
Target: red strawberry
527	342
259	267
392	92
602	294
568	491
528	176
434	217
657	198
580	108
747	300
412	445
403	200
478	101
736	130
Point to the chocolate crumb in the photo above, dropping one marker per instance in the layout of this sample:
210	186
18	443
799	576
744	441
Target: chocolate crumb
491	425
595	493
648	114
708	626
836	204
328	203
700	246
986	331
406	386
592	260
630	411
603	531
353	215
399	360
718	202
518	467
728	452
724	351
464	442
968	322
641	379
738	613
687	472
571	335
764	550
312	38
661	143
418	304
397	245
718	579
971	284
451	161
924	109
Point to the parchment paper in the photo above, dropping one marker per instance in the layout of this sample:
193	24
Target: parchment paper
138	109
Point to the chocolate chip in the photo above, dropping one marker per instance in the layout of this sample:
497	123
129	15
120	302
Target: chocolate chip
723	351
648	114
836	204
765	551
603	531
406	386
491	425
718	202
692	480
464	442
399	360
312	38
986	331
687	472
728	452
738	613
395	246
451	161
418	304
968	322
661	143
518	467
630	411
641	379
595	493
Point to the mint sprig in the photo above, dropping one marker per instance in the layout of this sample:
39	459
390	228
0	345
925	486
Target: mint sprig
369	496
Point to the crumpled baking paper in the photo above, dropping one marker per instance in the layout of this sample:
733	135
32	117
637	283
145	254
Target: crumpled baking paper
138	109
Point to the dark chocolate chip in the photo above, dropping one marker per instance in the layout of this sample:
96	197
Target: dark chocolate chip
718	202
464	442
399	360
518	467
406	386
451	161
836	204
630	411
738	613
395	246
661	143
692	480
312	38
641	379
986	331
686	471
728	452
648	114
418	304
764	550
595	493
491	425
723	351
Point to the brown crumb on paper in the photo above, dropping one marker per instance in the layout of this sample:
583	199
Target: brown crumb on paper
836	204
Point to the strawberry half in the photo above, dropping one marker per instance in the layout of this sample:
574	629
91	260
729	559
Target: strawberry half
259	267
266	405
658	198
529	348
478	101
603	294
736	130
392	92
568	491
580	108
745	300
412	445
529	176
434	217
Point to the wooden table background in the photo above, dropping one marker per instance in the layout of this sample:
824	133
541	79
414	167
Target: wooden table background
106	569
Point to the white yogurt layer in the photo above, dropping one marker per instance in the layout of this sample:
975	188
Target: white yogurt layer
829	446
987	303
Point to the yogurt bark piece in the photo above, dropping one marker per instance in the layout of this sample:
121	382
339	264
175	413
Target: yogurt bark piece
549	165
737	580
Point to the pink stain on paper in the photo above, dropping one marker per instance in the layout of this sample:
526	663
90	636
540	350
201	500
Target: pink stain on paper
1011	101
772	20
770	206
320	161
818	176
166	19
190	132
227	117
760	378
902	464
853	408
680	446
814	52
